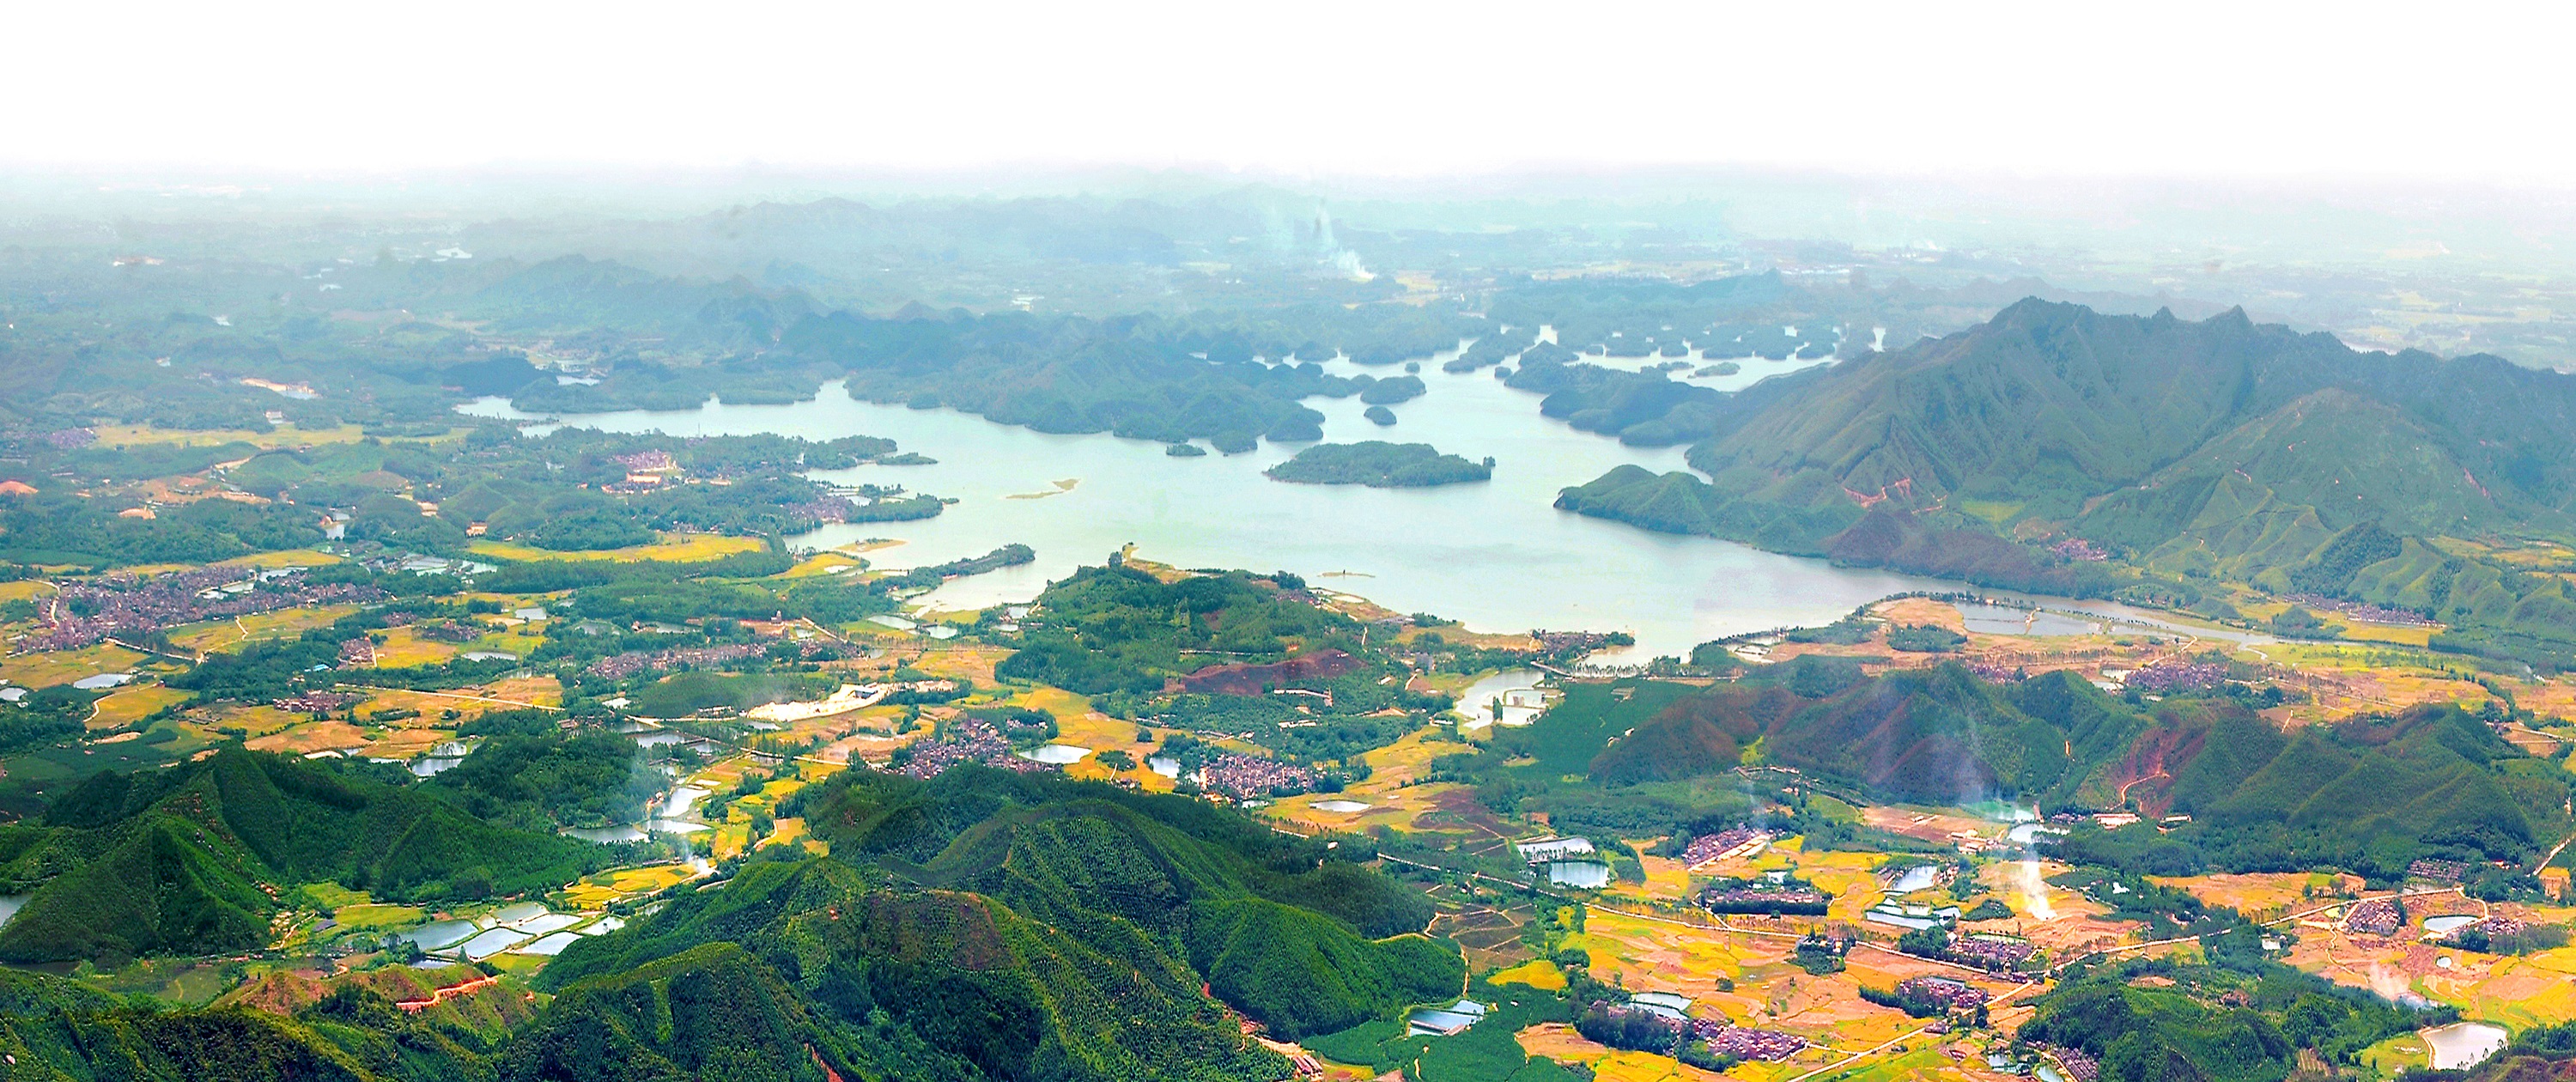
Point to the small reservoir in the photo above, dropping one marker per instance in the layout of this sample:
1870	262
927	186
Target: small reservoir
1578	873
2462	1045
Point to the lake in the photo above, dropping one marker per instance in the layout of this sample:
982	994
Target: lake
1999	620
1578	873
1510	697
1496	555
2462	1045
2003	612
1054	754
682	799
440	935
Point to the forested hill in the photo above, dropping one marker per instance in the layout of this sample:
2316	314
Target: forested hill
2369	794
198	857
978	925
2212	449
984	924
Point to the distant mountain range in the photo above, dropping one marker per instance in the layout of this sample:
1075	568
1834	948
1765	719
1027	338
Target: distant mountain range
2014	453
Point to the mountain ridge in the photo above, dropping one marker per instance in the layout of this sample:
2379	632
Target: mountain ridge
2219	450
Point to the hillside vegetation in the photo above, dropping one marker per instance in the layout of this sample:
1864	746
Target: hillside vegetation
194	859
2369	794
1205	650
992	925
1379	464
2190	452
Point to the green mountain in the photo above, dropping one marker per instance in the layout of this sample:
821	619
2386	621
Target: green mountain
2369	794
982	925
1378	464
58	1030
195	859
2216	448
985	924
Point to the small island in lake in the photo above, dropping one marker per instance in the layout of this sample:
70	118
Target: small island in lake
1379	464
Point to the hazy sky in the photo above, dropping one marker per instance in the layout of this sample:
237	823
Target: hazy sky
2446	90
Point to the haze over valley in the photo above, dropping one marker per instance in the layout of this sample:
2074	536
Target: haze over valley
1158	548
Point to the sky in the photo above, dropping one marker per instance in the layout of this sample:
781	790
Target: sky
2455	91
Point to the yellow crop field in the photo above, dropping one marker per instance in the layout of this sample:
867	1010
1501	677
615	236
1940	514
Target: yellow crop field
432	706
517	965
521	691
1647	1067
378	916
2256	892
403	648
627	883
125	706
64	666
312	736
221	635
287	558
673	548
333	895
1537	973
264	439
972	662
786	832
730	839
824	563
25	589
1057	701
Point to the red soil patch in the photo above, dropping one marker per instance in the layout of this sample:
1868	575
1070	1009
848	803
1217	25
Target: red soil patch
1257	679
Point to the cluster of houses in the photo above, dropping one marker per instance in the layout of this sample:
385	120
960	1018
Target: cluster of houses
1992	950
2177	677
620	666
358	653
2486	927
1733	843
2071	1062
646	471
1742	1042
317	702
2377	916
1544	850
420	565
1772	892
1241	776
2361	611
125	605
1672	1010
967	740
1944	993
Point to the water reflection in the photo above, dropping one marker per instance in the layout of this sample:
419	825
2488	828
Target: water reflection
1578	873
